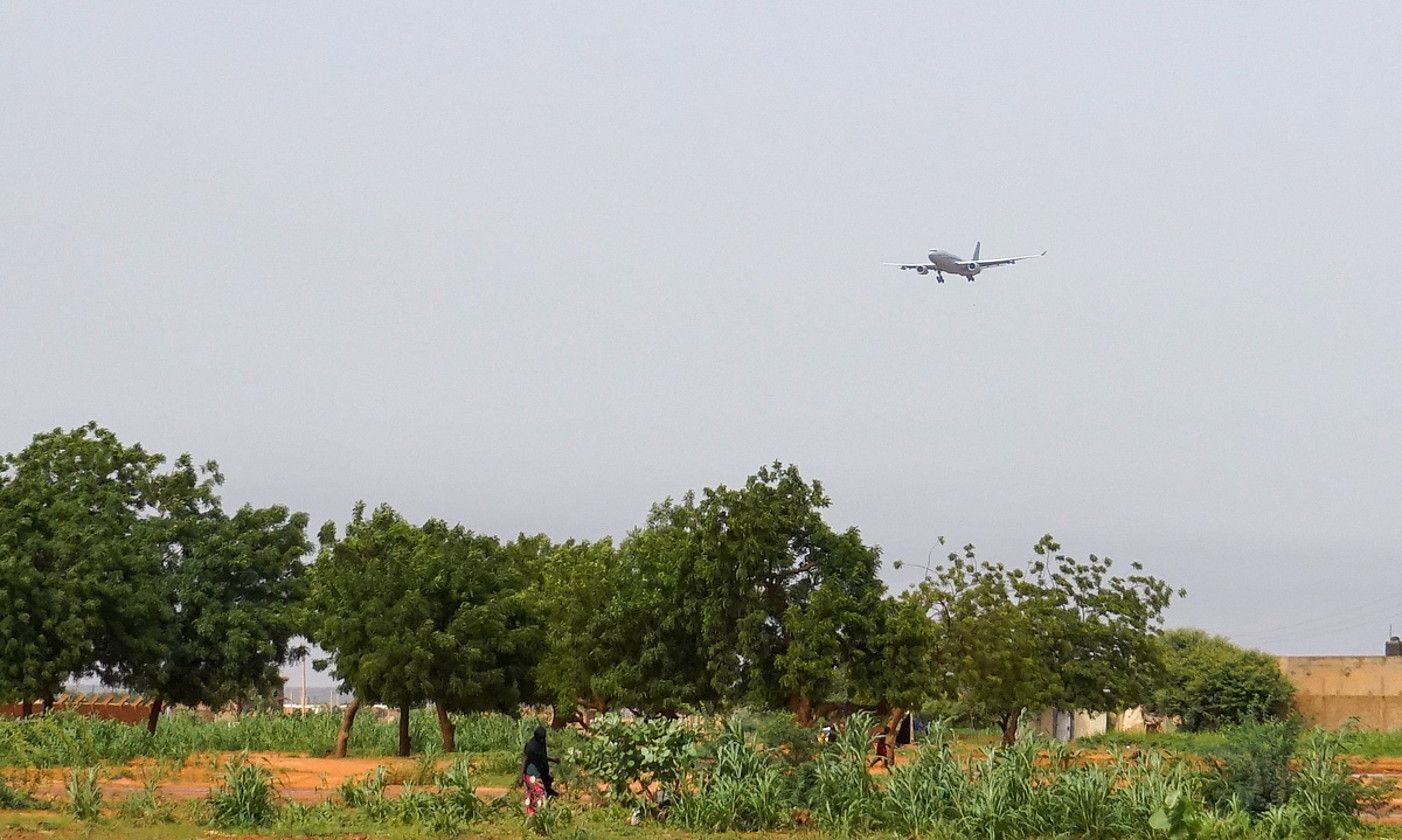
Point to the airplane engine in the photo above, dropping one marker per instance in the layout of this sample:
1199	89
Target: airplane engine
920	269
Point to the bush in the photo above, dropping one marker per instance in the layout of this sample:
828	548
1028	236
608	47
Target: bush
10	798
1208	682
244	798
1252	769
652	755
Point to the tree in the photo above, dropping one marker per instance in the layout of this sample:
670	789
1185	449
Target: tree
1061	632
726	596
1208	682
231	587
411	614
77	571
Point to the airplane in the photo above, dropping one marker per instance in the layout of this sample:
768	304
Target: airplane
943	262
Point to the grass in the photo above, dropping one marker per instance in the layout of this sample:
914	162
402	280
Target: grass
66	739
755	777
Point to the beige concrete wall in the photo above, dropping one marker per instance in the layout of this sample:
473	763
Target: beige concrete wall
1329	690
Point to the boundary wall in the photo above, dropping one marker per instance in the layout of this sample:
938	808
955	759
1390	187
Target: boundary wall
1331	690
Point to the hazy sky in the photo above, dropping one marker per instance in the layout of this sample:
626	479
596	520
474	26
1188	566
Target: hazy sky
532	267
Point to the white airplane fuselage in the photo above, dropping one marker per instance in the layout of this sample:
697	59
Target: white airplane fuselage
947	263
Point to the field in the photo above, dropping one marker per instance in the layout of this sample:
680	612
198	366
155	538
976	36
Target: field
270	775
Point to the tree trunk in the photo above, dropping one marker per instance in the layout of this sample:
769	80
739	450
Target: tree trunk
893	730
343	736
446	729
1009	724
155	715
26	708
404	748
48	704
802	708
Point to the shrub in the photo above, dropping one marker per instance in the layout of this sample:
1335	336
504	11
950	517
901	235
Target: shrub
1252	768
244	798
650	754
10	798
1208	682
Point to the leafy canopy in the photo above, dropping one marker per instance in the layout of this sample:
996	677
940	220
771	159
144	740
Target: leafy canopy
413	614
1059	632
1209	683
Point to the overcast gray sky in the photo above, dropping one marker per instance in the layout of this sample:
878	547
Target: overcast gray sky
531	267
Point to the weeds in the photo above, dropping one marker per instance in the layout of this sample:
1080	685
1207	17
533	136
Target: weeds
12	798
84	794
245	797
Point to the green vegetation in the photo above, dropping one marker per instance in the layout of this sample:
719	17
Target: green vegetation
66	739
731	781
423	614
1062	632
728	621
110	566
1208	682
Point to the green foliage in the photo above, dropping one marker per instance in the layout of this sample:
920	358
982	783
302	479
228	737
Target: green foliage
1208	682
231	587
244	797
77	570
1326	797
417	614
841	793
636	760
66	739
746	788
84	793
780	734
12	798
727	596
1062	632
1252	769
1178	818
110	565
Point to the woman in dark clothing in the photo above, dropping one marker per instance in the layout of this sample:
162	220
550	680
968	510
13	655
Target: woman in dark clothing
535	770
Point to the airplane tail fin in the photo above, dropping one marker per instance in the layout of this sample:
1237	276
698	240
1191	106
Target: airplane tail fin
977	245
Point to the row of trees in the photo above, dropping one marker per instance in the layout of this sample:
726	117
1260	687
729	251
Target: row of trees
115	564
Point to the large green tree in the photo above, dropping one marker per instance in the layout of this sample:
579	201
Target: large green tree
1208	682
1060	632
731	595
77	567
231	587
413	614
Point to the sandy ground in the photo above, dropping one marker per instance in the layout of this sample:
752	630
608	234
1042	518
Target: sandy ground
298	778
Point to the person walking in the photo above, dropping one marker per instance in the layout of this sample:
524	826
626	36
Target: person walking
535	772
882	743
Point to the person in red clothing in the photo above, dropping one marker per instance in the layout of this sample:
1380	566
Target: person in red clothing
882	743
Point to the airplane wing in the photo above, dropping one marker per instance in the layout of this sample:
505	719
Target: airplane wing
1001	261
909	266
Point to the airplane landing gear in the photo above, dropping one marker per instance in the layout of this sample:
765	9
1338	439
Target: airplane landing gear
939	277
